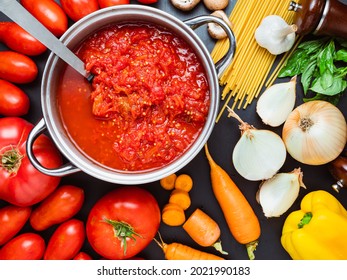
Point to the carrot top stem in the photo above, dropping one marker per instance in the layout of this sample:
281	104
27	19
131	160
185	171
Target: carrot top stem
218	247
251	247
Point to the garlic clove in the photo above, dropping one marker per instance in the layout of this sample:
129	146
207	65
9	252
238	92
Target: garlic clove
258	154
277	194
215	30
277	102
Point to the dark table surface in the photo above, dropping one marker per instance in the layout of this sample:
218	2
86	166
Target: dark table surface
221	144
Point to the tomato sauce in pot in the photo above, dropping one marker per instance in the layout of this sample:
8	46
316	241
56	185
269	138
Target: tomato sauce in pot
147	103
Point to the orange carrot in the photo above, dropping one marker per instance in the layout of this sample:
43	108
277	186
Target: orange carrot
168	182
203	230
239	215
173	215
180	198
184	182
178	251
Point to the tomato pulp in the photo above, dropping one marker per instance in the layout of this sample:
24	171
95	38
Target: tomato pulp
147	103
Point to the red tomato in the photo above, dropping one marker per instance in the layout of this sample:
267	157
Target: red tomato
109	3
58	207
77	9
49	13
27	246
82	256
22	184
66	241
147	1
17	39
12	220
17	68
13	101
129	210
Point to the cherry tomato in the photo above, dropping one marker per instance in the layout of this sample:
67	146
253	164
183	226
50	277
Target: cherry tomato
58	207
82	256
147	1
27	246
17	39
12	220
77	9
49	13
22	184
109	3
129	210
13	101
66	241
17	68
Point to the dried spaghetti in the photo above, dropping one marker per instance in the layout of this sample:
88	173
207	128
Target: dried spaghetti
243	80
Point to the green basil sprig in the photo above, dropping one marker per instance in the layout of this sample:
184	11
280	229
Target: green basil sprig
322	64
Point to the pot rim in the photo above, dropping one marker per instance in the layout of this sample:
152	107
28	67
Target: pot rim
82	161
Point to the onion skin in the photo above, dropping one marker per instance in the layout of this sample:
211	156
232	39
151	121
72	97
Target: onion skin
315	132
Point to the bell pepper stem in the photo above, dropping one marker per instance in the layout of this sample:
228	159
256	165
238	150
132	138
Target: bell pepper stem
305	220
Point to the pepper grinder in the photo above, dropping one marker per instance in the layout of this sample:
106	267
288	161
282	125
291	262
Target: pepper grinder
320	17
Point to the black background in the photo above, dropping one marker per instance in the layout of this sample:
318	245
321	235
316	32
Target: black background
221	144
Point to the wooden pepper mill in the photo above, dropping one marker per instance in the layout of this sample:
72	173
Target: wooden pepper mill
320	17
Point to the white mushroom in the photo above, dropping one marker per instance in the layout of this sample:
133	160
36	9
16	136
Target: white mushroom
275	35
214	29
215	5
185	5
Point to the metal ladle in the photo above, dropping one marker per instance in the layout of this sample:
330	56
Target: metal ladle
17	13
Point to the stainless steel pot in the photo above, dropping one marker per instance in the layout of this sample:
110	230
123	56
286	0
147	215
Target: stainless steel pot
52	121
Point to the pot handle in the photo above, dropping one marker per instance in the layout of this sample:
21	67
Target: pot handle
64	170
224	62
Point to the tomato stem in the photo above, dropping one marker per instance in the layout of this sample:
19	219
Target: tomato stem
11	160
122	231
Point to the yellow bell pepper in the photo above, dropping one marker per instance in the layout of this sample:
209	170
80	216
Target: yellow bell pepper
318	231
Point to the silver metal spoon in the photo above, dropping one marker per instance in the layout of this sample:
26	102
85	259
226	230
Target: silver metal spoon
17	13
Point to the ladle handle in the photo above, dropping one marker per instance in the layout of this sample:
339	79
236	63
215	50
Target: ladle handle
64	170
16	12
225	61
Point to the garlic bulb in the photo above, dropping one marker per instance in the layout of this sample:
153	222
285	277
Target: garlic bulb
276	103
259	153
275	34
315	132
277	194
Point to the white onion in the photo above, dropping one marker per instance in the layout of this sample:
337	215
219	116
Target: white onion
315	132
259	153
277	194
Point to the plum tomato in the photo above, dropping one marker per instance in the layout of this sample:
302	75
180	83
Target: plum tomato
123	222
17	68
12	220
26	246
21	183
17	39
13	101
66	241
82	256
49	13
109	3
77	9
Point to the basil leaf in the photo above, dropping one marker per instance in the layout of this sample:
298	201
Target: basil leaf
326	58
338	85
295	64
307	75
312	46
332	99
341	55
326	79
